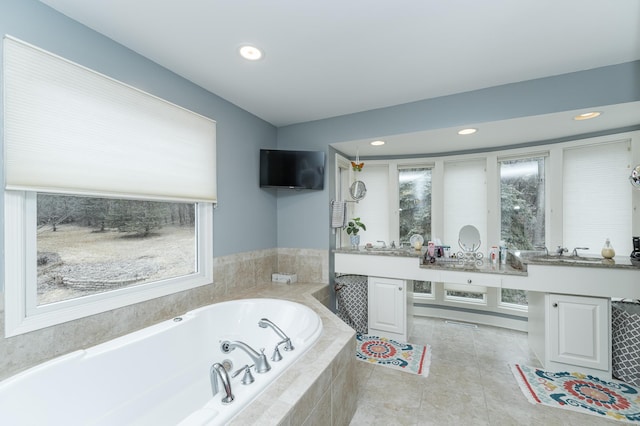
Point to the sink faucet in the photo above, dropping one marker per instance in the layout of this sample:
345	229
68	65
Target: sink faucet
546	250
265	322
259	359
575	250
561	250
393	244
217	370
384	245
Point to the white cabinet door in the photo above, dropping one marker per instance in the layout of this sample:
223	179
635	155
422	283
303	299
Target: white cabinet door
578	332
387	308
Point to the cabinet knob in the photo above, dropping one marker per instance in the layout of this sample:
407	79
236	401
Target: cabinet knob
555	305
468	281
399	288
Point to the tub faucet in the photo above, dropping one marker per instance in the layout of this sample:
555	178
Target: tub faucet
575	250
259	359
265	322
217	370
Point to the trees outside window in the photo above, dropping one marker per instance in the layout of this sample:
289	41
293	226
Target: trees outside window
522	208
415	203
522	189
91	245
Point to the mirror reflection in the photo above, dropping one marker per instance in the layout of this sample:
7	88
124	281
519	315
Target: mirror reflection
358	190
469	241
469	238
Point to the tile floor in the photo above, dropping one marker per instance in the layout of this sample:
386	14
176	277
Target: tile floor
469	383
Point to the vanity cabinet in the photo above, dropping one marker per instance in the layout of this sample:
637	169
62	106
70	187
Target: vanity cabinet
387	308
567	330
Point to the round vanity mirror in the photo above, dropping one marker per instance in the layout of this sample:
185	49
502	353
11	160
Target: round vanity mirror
469	238
358	190
634	178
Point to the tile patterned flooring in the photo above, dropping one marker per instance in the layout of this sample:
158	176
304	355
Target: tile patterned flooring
469	383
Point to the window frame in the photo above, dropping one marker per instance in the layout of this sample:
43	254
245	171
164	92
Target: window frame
21	266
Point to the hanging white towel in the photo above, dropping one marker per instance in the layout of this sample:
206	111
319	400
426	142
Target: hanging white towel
338	214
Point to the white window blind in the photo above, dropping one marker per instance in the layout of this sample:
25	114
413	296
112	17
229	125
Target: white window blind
597	197
68	129
465	201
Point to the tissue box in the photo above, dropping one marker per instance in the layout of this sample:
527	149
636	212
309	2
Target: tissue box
284	277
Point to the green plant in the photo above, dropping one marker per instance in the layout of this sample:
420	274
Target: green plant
354	225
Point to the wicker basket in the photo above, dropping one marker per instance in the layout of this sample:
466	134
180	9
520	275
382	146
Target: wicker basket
625	336
351	293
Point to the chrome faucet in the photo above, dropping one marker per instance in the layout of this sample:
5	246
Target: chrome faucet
259	359
247	379
546	250
384	245
265	322
561	250
575	250
217	370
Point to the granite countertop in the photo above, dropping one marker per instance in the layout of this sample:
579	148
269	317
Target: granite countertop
480	266
516	264
585	261
396	252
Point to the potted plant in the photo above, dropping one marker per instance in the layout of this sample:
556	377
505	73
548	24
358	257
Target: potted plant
353	227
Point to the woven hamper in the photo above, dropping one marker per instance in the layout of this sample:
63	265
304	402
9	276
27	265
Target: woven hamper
625	336
351	293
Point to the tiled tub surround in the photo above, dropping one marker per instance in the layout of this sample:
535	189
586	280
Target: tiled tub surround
319	389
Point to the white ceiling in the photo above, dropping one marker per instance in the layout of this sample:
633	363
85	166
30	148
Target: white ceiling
333	57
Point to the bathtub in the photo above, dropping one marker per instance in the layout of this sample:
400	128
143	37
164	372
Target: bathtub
160	375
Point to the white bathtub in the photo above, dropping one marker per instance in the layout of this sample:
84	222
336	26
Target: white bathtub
159	375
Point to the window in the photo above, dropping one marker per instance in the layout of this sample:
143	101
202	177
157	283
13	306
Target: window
522	213
423	288
588	173
522	206
415	203
465	200
512	298
458	293
85	151
46	287
89	245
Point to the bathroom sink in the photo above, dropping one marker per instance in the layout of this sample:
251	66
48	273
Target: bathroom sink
568	259
390	250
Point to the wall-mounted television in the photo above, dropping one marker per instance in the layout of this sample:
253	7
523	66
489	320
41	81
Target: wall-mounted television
291	169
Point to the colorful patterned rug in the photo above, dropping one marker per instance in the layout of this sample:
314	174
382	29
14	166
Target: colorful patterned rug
579	392
389	353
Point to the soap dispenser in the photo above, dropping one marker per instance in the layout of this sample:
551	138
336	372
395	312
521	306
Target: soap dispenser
607	251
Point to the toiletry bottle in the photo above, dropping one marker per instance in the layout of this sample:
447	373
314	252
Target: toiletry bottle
607	251
503	252
493	254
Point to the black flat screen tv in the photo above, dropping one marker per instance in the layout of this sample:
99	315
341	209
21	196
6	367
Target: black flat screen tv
291	169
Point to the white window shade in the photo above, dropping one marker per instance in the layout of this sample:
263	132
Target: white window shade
597	197
68	129
465	201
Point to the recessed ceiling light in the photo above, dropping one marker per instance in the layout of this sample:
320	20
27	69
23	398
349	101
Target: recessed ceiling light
468	131
250	53
587	115
377	143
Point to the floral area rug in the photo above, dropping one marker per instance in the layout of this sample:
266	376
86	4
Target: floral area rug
579	392
389	353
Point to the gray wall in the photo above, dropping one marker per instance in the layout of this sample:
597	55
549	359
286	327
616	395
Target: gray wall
308	214
239	134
